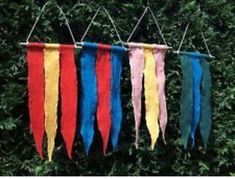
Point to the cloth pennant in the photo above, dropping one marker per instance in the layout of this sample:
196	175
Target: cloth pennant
197	76
151	96
205	123
88	99
159	55
136	61
103	74
68	91
186	101
117	54
36	84
51	66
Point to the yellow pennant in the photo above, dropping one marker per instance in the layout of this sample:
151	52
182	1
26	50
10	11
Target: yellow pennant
151	96
51	66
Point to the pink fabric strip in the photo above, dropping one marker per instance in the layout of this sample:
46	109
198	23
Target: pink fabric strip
136	56
159	55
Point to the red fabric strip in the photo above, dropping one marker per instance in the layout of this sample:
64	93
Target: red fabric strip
68	91
36	85
103	74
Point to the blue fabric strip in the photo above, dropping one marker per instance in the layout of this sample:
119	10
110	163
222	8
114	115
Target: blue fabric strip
197	77
88	99
194	54
117	54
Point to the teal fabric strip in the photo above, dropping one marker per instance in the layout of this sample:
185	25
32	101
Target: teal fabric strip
186	101
205	123
197	77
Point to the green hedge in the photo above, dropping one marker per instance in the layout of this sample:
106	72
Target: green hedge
216	19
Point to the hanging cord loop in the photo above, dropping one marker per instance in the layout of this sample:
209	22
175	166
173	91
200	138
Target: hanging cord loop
155	21
61	12
203	38
111	20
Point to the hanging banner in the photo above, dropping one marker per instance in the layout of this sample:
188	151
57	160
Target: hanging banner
51	66
195	96
144	60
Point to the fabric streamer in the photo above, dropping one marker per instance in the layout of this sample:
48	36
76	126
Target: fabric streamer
151	96
186	101
117	54
136	61
197	76
205	123
36	84
68	90
51	66
103	74
88	99
159	55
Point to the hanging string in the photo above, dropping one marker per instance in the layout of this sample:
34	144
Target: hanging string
185	31
155	21
203	38
61	12
111	20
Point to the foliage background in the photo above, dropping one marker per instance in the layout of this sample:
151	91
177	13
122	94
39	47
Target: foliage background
215	18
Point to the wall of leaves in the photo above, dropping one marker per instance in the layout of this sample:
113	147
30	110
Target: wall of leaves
215	18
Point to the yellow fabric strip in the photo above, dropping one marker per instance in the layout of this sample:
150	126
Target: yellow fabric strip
51	66
151	96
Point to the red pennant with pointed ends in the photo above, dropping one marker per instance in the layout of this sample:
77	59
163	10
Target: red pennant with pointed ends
35	60
103	73
68	89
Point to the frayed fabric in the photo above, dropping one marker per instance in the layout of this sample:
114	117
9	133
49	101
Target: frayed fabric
103	73
51	66
197	76
88	99
69	93
151	96
136	61
36	84
159	55
186	101
117	54
205	123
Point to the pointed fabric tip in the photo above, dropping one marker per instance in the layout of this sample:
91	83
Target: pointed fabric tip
103	74
205	123
193	141
197	77
36	84
51	68
136	62
88	99
116	107
159	55
151	96
186	101
68	91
